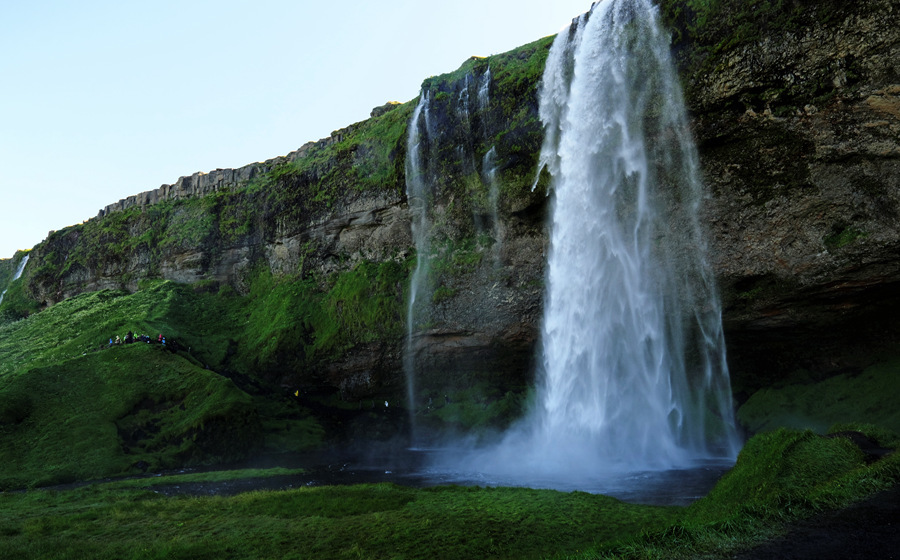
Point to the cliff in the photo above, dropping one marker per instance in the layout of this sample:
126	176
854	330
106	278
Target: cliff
796	109
796	117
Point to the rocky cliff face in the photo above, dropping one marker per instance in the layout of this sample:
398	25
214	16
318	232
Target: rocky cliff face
798	135
797	130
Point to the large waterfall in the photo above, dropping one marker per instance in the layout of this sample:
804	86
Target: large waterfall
633	373
633	353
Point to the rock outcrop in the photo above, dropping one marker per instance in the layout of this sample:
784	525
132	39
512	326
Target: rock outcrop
799	138
202	184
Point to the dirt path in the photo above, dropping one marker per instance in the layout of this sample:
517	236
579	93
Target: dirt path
869	530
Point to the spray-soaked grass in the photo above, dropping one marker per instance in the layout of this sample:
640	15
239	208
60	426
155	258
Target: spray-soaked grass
870	395
365	521
780	476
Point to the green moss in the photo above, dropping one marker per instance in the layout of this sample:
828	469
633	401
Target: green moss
16	304
478	409
705	31
451	259
778	469
366	521
105	412
442	293
780	476
842	236
366	157
866	397
508	123
299	322
750	295
139	402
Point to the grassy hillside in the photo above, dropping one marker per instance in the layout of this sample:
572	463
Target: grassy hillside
124	410
72	407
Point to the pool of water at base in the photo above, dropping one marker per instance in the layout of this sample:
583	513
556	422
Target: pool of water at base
414	468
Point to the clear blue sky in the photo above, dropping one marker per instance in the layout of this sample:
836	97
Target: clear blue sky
103	99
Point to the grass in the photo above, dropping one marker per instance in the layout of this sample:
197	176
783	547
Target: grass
870	395
780	476
73	408
117	412
364	521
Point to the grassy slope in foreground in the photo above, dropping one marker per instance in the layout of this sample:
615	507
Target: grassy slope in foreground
779	476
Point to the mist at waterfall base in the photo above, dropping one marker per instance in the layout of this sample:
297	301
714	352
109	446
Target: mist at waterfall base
633	382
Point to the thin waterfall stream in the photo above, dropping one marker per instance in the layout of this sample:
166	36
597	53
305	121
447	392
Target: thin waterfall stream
419	196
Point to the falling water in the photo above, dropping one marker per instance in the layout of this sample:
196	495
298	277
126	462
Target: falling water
489	166
463	122
484	92
489	177
633	351
418	196
633	373
16	276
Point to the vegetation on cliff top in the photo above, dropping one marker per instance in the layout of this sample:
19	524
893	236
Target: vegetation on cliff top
704	29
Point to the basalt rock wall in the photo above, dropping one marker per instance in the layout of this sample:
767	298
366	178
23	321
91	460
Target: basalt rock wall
799	137
202	184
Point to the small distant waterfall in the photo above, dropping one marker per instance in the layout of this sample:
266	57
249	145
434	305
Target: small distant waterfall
484	92
633	373
489	177
19	270
489	167
463	119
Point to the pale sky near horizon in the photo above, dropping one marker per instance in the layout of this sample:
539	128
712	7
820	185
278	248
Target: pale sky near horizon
102	99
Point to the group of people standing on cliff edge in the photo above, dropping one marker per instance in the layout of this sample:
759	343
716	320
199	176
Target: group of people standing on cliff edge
131	338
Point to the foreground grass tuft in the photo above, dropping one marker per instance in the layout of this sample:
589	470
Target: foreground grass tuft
365	521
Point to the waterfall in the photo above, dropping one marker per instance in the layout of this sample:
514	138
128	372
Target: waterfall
419	198
489	167
489	177
16	276
633	351
633	373
484	93
439	124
